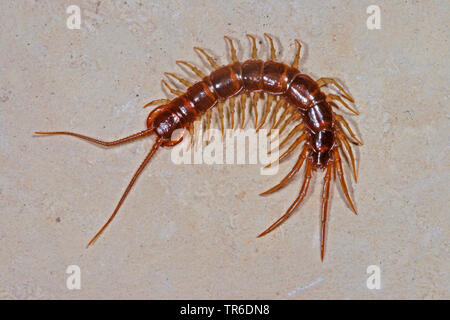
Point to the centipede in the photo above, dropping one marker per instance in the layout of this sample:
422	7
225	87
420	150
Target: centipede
322	137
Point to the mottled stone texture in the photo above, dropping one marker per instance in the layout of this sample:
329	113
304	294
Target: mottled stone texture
189	231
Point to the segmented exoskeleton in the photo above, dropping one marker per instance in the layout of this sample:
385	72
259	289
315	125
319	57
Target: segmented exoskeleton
318	127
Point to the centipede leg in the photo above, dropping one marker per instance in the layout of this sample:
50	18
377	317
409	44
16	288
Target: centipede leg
298	128
331	97
297	54
192	68
211	61
289	150
254	104
325	81
297	201
291	173
220	111
172	90
344	140
340	173
280	120
273	56
254	50
185	82
135	136
242	106
277	108
127	190
157	101
293	117
208	125
344	122
269	102
325	197
231	106
232	50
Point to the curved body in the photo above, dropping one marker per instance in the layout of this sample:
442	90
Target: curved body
321	130
271	77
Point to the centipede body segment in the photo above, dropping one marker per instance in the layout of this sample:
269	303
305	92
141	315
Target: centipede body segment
321	134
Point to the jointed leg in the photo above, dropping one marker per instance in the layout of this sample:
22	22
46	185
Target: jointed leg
340	173
273	56
344	140
325	81
254	50
231	105
290	149
208	124
220	111
135	136
172	90
293	117
192	68
342	121
291	173
278	106
297	55
242	105
298	128
211	61
254	103
325	196
270	99
297	201
158	102
185	82
232	50
331	97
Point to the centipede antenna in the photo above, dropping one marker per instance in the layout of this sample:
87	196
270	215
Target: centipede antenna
325	197
297	201
134	136
127	190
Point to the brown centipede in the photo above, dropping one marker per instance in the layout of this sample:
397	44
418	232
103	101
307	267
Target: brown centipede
322	133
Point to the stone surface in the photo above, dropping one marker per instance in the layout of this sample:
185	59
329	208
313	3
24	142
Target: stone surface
189	231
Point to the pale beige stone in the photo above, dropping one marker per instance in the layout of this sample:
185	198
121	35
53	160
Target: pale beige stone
189	231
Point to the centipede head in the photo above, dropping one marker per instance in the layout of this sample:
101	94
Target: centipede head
164	124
